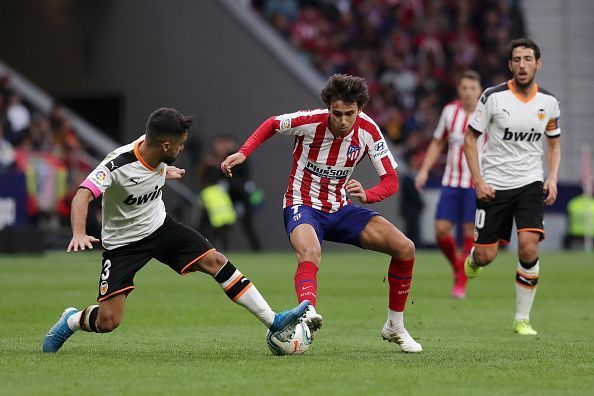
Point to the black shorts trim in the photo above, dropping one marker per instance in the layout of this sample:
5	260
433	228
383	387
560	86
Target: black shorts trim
185	271
126	290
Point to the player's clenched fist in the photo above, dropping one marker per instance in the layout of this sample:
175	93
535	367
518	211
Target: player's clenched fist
230	162
174	173
484	191
355	189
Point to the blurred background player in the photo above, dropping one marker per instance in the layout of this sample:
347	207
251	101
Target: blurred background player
136	229
518	115
457	201
231	199
329	143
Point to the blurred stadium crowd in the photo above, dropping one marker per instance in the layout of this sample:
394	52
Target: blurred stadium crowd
409	51
41	154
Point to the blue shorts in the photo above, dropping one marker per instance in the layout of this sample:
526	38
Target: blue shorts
343	226
456	205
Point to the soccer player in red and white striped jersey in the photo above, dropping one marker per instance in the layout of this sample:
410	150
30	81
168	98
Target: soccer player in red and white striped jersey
457	201
329	143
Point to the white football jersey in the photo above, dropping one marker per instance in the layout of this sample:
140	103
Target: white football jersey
513	156
131	188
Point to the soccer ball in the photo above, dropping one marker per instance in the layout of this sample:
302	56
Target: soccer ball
297	343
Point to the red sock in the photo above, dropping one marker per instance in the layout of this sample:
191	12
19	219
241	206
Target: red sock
447	244
467	245
399	278
306	284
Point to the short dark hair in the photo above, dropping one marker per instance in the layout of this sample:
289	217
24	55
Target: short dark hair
348	89
165	123
469	74
524	42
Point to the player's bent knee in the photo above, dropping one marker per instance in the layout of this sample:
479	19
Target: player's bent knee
441	231
405	249
483	257
211	263
528	253
308	252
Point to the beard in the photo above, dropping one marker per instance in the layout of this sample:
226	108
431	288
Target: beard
523	85
169	160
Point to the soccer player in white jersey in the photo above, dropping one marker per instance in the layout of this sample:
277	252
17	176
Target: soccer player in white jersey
329	143
457	201
519	116
136	229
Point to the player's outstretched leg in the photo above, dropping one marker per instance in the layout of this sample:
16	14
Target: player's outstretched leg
399	279
60	332
243	292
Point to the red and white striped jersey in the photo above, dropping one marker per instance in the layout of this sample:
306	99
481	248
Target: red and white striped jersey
322	164
451	126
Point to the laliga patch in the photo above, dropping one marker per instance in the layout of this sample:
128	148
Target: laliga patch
99	176
103	288
285	124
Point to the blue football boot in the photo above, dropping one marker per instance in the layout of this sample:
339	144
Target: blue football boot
286	320
58	334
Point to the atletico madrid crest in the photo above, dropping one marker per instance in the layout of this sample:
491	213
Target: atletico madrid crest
353	152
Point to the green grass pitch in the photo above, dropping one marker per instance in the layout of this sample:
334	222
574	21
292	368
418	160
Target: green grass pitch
182	335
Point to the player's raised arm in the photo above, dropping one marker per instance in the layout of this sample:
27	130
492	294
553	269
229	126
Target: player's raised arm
78	218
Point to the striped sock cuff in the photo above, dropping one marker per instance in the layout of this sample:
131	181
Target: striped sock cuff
232	281
225	273
88	319
527	274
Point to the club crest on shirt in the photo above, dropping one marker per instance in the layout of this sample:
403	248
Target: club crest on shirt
161	171
541	114
285	124
103	288
353	152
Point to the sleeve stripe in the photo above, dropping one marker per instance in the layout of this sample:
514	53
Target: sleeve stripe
91	187
473	129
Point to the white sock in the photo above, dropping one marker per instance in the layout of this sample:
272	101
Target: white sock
253	301
396	319
74	321
526	281
241	291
